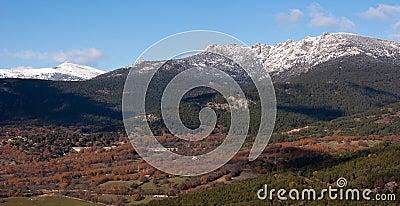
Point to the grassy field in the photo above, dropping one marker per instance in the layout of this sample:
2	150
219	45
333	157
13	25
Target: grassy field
152	186
43	201
246	175
127	199
108	185
177	180
107	197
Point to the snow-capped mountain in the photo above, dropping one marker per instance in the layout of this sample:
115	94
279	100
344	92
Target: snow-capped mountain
168	69
292	58
63	72
282	60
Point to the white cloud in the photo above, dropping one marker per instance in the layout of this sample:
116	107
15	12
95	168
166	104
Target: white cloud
324	21
382	11
27	54
346	24
396	25
84	56
87	56
388	13
322	18
395	36
294	16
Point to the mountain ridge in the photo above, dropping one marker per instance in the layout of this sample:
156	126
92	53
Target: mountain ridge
63	72
291	58
282	61
351	86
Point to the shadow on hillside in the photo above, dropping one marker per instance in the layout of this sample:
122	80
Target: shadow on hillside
41	101
308	159
376	92
319	113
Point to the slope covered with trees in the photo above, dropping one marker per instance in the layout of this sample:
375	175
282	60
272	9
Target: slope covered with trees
333	89
366	169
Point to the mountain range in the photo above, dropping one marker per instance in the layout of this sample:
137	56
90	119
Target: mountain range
338	115
63	72
282	61
292	58
342	82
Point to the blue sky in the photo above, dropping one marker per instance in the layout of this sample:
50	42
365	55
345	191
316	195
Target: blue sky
112	34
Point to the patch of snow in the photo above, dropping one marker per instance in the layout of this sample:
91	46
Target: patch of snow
63	72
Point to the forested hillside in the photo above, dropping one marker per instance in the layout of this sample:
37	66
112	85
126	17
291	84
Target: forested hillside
371	168
334	89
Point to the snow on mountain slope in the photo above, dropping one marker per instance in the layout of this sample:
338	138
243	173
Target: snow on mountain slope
282	60
292	58
63	72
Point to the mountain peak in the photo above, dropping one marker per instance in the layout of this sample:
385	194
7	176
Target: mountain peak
66	63
63	72
295	57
